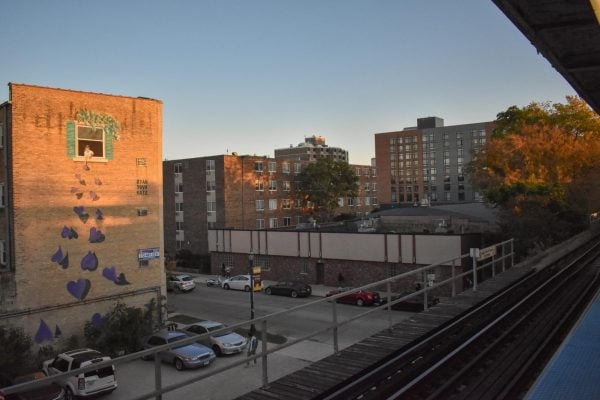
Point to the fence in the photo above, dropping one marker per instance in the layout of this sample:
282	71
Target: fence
488	261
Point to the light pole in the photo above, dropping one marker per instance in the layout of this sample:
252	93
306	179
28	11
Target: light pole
250	266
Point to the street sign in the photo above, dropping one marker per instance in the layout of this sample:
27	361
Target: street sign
486	253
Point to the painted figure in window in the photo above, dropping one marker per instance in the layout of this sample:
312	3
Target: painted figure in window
87	154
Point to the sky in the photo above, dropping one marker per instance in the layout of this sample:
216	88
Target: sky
251	76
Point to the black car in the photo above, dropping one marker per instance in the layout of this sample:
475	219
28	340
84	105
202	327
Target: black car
290	288
414	304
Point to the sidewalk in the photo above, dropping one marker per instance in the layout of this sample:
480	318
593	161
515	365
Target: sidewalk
317	290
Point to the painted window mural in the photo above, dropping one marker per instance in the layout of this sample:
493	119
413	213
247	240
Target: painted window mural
88	139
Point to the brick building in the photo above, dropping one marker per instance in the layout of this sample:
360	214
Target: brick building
242	192
81	217
313	147
428	163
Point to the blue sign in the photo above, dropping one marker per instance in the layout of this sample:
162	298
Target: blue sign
148	254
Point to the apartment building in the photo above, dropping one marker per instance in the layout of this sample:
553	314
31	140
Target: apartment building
314	147
427	164
241	192
81	211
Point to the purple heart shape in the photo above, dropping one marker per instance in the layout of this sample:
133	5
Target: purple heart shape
94	196
110	273
65	232
98	320
98	181
74	189
89	261
79	289
96	236
73	234
99	214
58	256
43	333
57	332
79	195
121	280
79	210
64	263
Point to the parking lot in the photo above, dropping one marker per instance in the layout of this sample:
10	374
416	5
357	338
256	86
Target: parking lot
233	307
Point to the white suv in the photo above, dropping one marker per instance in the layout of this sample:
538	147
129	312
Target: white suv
91	383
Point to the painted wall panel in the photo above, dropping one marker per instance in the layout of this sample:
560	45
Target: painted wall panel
433	249
347	246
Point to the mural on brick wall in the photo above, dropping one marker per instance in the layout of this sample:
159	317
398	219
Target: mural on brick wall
99	131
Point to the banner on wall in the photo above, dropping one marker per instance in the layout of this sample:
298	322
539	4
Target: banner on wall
148	254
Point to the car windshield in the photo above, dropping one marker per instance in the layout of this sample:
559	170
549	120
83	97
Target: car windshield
185	278
215	328
176	338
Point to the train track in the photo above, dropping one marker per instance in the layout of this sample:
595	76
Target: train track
494	351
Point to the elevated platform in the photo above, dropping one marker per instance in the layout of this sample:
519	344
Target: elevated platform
574	371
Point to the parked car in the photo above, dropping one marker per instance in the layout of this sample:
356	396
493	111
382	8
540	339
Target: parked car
182	283
289	288
215	281
90	383
52	391
225	342
238	282
191	355
360	298
414	304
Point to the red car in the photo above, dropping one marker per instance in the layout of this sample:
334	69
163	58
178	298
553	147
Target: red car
360	298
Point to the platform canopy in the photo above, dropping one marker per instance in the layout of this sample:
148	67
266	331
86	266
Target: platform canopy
567	33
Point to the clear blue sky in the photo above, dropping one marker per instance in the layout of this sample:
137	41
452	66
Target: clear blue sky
254	75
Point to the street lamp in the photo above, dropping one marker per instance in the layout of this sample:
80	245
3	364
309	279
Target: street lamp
250	265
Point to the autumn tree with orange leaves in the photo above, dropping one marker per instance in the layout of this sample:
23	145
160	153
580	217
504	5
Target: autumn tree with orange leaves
542	169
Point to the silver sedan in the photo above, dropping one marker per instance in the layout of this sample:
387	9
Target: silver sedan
192	355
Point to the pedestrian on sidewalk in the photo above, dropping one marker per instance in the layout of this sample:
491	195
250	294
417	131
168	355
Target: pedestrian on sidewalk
251	347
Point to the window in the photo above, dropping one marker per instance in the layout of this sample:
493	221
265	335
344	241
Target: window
179	188
1	136
3	253
340	201
2	200
286	186
272	185
260	205
367	201
285	168
210	186
286	204
178	168
260	224
287	221
272	204
304	267
259	185
210	165
262	262
228	259
141	162
142	187
273	223
142	212
258	166
272	167
211	206
178	206
298	203
297	168
357	171
179	225
91	139
179	244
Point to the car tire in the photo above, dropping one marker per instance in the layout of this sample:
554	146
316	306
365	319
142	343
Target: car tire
69	394
226	286
178	364
360	302
217	350
268	291
294	294
246	288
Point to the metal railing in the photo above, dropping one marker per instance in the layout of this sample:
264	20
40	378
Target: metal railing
503	259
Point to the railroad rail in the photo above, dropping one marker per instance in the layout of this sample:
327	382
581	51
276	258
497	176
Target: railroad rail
494	350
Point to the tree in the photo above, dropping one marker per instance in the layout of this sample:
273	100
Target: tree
540	168
15	351
323	182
